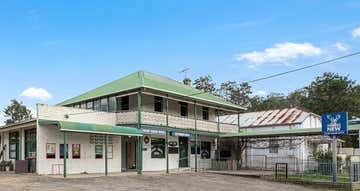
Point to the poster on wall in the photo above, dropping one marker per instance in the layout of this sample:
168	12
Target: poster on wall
76	151
50	150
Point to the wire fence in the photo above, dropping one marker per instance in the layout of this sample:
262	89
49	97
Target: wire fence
293	170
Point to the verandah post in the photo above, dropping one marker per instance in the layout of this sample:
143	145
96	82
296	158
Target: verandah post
65	153
139	140
167	134
218	129
196	138
238	116
106	154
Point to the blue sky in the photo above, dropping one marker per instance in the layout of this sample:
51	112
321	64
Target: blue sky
60	49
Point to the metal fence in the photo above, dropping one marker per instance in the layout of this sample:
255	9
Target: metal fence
305	171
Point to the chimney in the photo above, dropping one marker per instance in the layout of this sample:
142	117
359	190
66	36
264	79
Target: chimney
187	81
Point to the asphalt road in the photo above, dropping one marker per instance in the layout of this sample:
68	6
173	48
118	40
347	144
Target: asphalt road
148	182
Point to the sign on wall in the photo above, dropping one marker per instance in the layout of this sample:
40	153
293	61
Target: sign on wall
153	132
334	123
177	134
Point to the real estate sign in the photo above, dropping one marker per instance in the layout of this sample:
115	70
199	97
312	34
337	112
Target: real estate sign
334	123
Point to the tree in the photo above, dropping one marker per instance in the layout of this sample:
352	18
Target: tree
205	84
16	112
331	93
237	94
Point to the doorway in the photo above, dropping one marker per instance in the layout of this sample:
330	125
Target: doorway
183	152
128	154
30	149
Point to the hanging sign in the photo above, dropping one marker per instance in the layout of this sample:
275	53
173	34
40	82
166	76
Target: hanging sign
177	134
334	123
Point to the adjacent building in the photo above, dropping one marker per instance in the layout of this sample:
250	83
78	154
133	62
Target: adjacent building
264	152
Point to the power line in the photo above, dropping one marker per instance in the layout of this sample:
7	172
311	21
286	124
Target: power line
303	68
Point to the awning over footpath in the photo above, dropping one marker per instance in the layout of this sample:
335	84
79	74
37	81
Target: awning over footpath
92	128
281	133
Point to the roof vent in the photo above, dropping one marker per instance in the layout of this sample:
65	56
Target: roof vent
187	81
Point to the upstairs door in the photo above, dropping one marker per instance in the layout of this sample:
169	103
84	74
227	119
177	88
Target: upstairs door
183	152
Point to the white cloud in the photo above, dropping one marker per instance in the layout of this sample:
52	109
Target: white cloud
281	53
36	93
356	32
341	46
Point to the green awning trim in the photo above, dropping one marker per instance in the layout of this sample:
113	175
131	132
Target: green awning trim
179	130
92	128
290	132
151	81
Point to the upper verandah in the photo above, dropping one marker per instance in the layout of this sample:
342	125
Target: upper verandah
142	80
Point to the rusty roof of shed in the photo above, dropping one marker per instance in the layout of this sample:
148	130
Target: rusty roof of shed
286	116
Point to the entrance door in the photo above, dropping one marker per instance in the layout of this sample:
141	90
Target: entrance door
30	148
128	153
183	152
14	145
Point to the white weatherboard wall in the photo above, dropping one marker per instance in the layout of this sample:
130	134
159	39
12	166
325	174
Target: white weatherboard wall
51	134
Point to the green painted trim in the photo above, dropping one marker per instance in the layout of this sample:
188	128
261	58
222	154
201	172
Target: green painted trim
139	141
65	154
92	128
291	132
181	130
106	154
196	137
167	135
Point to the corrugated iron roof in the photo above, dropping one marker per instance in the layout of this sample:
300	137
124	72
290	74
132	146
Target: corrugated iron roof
286	116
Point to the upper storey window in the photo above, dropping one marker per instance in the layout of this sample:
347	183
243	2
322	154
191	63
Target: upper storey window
123	103
205	113
112	104
158	104
104	104
183	109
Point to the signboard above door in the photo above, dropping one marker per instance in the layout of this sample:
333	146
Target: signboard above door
334	123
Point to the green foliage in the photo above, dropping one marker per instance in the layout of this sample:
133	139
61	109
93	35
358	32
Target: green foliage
323	156
205	84
16	112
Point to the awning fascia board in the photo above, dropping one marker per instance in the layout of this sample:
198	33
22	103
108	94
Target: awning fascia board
92	128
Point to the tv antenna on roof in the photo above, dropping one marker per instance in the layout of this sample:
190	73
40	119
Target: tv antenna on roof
184	71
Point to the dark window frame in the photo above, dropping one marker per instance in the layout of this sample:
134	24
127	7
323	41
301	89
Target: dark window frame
97	155
184	109
158	104
61	153
205	113
73	156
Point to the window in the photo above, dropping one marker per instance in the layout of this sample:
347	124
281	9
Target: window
104	104
158	104
112	104
205	113
76	151
183	109
83	106
123	103
157	148
110	151
97	105
273	146
62	151
14	145
98	151
89	105
203	149
50	150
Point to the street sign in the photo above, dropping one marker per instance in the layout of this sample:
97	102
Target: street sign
334	124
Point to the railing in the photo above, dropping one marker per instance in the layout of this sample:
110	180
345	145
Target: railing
155	118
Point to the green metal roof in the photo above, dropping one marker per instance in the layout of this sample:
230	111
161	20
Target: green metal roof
148	80
92	128
290	132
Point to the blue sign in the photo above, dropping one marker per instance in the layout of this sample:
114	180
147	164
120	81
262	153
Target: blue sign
153	132
177	134
334	123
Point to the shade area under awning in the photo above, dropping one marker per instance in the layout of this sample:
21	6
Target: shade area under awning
92	128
